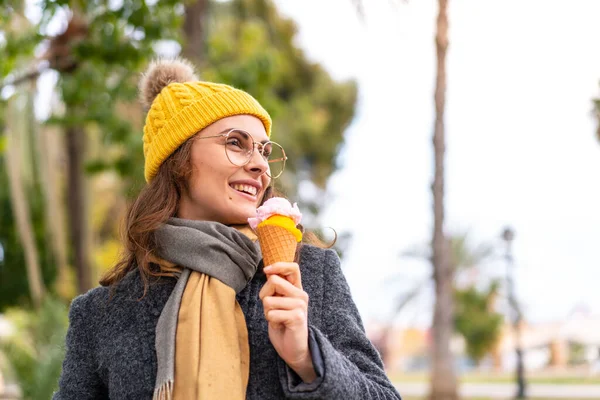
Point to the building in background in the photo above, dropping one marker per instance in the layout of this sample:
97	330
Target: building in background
572	344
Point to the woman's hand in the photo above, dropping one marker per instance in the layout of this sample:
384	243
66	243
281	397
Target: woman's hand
286	310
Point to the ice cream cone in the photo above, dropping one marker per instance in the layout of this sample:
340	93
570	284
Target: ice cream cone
276	244
275	226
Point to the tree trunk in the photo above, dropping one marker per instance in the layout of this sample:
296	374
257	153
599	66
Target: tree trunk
45	145
47	149
20	208
443	378
194	30
78	223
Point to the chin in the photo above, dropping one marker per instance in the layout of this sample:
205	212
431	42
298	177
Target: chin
242	217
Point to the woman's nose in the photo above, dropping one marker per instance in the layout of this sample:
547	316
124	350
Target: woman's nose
257	162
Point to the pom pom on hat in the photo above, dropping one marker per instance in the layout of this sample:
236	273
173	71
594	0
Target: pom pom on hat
160	74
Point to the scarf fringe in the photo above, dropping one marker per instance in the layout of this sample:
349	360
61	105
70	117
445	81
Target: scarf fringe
164	391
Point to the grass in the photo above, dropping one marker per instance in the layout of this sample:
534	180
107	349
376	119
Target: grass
504	378
488	398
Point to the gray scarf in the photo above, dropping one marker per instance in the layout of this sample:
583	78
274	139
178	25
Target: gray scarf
207	247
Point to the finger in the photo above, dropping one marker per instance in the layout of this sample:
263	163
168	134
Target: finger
287	317
268	289
276	285
288	270
282	303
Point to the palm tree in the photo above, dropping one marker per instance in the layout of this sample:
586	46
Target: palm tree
466	260
443	378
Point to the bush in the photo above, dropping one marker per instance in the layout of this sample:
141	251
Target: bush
35	351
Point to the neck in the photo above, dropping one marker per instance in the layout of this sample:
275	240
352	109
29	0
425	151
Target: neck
246	230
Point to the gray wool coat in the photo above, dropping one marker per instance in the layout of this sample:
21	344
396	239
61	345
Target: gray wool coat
110	345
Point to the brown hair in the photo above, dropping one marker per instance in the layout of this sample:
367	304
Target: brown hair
156	203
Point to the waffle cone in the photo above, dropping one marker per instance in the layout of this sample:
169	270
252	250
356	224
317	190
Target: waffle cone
276	244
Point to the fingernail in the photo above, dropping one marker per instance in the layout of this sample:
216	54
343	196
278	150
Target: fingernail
267	269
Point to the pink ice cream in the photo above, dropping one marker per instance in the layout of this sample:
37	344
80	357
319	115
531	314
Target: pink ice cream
275	206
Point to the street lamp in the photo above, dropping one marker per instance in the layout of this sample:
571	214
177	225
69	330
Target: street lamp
508	235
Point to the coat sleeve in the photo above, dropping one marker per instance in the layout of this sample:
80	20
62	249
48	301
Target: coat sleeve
347	364
79	378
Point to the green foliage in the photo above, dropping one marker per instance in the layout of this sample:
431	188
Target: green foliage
98	73
119	44
576	353
18	38
14	288
251	46
475	320
35	351
103	66
14	46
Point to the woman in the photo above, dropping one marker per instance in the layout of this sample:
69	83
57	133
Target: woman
190	312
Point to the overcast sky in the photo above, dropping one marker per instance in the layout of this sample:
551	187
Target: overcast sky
521	148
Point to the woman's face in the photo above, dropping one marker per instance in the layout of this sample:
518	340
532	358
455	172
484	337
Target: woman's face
219	190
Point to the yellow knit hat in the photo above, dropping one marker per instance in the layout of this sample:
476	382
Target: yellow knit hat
180	106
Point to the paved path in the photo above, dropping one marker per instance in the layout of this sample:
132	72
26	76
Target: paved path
489	390
508	390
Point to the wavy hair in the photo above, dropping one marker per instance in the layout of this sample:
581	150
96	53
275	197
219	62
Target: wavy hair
155	204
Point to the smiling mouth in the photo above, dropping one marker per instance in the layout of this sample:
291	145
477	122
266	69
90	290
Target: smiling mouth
248	189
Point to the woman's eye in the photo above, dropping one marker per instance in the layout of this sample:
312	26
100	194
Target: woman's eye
234	142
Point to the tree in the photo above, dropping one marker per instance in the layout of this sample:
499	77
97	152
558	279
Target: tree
98	57
15	286
194	30
443	377
26	265
17	132
252	47
35	350
476	321
100	52
474	317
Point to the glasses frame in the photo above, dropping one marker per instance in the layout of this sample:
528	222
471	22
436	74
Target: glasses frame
254	146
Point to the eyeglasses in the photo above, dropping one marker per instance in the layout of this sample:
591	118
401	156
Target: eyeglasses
239	147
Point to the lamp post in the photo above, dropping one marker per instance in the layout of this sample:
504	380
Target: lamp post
508	235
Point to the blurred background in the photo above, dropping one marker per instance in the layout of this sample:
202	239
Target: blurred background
451	145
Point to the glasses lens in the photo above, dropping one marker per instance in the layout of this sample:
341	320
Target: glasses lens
276	156
239	146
